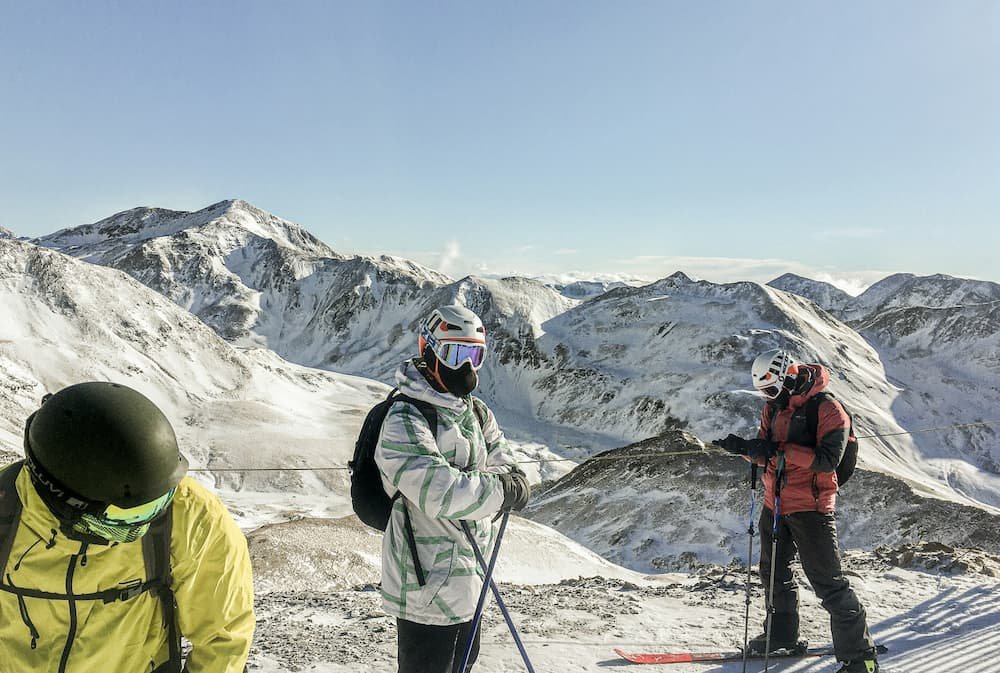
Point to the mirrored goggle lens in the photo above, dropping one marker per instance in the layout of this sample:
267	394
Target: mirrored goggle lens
771	391
140	513
454	354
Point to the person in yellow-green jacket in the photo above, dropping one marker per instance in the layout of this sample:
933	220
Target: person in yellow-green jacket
109	553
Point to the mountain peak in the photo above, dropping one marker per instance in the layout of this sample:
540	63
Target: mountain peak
823	294
217	221
6	233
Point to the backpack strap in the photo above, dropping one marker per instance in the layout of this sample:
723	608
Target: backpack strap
10	510
772	413
429	412
156	556
811	408
849	459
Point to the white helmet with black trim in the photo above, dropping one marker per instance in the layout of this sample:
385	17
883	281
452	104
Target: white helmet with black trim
773	371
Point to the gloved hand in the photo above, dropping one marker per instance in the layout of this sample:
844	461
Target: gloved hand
760	449
515	491
733	444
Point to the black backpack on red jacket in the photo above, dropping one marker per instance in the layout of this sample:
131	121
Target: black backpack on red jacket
808	414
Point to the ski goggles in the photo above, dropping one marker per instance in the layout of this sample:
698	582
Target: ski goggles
123	524
770	392
140	514
453	354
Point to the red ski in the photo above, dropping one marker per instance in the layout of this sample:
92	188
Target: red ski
731	655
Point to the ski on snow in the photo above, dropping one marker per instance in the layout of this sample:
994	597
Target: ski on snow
731	655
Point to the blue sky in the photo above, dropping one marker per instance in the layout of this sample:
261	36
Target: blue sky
730	140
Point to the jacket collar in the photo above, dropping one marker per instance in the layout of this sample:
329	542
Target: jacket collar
412	383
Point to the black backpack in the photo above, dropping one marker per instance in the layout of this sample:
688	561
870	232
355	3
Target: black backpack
370	501
808	416
155	554
849	461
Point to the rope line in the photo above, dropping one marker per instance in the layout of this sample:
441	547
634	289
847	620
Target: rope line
658	454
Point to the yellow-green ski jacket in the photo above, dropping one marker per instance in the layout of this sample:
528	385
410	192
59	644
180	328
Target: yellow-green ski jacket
211	580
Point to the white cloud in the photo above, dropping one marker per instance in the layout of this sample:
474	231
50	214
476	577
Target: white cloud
452	254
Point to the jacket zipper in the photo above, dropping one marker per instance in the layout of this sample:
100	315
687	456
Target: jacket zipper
71	635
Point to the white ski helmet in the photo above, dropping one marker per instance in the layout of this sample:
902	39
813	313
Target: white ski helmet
456	335
770	371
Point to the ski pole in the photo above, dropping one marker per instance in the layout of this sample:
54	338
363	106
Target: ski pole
779	473
487	579
746	618
496	593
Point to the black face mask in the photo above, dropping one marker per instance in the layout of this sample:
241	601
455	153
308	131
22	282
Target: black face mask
459	382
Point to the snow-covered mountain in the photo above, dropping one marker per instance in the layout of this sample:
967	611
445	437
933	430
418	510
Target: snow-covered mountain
828	296
903	290
6	233
588	289
63	321
627	364
668	504
260	280
620	367
947	364
235	410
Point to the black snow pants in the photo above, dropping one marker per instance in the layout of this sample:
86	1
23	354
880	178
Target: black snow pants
814	536
424	648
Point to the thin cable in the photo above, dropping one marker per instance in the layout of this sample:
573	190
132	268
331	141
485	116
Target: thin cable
658	454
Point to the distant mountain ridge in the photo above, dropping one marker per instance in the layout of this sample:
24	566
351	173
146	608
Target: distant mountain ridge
626	364
823	294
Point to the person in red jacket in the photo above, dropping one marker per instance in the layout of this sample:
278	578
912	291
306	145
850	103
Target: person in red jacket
801	471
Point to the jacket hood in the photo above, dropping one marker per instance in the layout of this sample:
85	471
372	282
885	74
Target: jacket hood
821	379
412	383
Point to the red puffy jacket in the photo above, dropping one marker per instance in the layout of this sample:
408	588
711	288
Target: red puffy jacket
810	462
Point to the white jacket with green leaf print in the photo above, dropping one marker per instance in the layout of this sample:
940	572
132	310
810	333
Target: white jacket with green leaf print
442	480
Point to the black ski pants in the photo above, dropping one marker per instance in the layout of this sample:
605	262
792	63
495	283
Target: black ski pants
814	536
424	648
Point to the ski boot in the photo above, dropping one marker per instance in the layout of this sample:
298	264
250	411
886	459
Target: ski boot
756	646
867	664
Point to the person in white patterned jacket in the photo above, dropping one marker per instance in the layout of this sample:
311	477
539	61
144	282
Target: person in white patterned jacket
462	469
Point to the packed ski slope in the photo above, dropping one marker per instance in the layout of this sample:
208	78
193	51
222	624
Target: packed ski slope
935	608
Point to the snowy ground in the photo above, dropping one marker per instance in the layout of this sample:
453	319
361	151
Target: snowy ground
936	608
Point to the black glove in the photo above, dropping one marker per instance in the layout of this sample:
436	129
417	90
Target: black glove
515	491
761	449
733	444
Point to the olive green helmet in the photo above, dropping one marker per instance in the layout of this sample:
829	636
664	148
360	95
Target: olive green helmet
105	443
